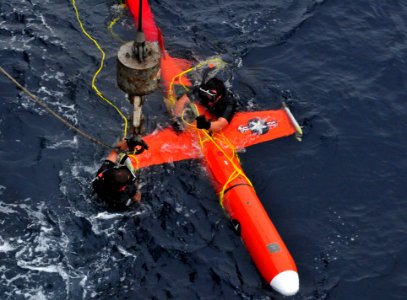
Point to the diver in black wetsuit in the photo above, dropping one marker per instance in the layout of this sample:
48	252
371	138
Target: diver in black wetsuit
214	96
115	182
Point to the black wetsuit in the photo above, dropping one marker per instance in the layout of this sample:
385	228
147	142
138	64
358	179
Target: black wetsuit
115	194
223	108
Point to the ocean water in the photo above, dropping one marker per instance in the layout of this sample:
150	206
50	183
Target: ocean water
338	198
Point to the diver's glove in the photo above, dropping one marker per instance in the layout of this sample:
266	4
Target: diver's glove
177	125
136	145
202	123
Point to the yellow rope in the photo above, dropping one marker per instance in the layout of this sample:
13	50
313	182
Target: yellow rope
110	28
136	159
232	177
208	138
216	61
230	159
171	93
94	87
114	21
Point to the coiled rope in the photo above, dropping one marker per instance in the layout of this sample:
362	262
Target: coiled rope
94	87
52	112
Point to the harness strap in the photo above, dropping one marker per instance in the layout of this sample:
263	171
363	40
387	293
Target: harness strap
124	160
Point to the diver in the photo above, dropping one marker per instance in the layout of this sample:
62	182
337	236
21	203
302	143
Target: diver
116	182
218	101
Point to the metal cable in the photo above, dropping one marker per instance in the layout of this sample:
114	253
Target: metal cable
52	112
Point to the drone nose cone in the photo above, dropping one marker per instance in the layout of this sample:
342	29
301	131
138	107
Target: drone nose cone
286	283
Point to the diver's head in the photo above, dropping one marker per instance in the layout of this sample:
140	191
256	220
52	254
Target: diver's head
211	91
119	177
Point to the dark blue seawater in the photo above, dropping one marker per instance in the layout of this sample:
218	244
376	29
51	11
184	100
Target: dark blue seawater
338	198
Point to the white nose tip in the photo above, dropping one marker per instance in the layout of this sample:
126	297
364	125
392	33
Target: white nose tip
286	283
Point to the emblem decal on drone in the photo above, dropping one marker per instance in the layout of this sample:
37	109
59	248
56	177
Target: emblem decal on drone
258	126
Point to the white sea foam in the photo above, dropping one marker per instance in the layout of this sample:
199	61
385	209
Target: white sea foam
125	252
7	208
83	284
178	207
5	246
43	90
2	188
107	216
108	223
40	249
51	74
42	18
65	144
8	281
102	223
27	103
77	170
37	295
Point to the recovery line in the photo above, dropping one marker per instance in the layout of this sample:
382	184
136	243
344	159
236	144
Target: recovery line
94	87
52	112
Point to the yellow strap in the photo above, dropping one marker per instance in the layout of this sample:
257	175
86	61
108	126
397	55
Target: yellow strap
133	156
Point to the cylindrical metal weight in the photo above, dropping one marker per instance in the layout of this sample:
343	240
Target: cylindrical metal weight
134	77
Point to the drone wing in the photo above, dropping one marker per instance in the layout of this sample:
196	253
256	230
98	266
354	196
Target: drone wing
250	128
165	146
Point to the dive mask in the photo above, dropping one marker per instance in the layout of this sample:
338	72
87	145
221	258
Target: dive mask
209	95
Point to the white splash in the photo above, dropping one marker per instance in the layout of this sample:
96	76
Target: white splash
125	252
5	246
107	216
65	144
2	188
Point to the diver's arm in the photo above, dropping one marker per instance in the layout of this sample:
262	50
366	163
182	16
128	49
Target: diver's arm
180	105
137	197
202	123
121	146
219	124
